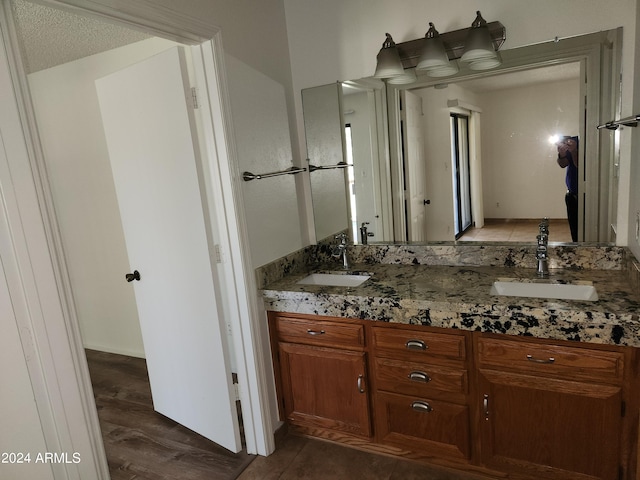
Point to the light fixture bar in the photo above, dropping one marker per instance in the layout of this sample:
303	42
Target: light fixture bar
453	43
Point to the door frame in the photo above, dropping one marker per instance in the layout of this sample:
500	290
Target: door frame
68	416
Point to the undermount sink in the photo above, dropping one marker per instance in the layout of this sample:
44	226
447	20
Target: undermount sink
334	279
577	291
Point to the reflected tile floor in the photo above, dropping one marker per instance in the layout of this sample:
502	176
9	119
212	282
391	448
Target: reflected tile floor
311	459
517	230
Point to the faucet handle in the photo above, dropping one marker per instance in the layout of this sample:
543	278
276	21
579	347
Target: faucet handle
343	237
544	226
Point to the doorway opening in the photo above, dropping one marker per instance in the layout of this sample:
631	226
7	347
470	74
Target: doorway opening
82	196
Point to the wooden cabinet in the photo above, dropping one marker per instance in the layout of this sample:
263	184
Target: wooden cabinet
550	411
323	380
421	390
486	403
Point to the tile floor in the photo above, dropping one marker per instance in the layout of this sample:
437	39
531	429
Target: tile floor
517	230
311	459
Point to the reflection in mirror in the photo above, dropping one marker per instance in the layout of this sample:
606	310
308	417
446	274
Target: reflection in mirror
345	122
470	155
491	173
324	133
370	204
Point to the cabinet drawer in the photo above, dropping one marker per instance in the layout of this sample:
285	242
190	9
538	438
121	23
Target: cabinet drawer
421	424
553	360
319	332
418	378
418	345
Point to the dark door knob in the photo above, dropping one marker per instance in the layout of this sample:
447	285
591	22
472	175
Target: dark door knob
426	202
132	276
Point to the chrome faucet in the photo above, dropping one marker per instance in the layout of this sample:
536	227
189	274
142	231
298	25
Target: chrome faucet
542	254
364	234
340	250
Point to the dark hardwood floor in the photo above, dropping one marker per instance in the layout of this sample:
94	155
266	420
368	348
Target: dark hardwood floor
142	444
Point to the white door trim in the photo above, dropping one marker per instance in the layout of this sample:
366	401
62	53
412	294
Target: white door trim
74	420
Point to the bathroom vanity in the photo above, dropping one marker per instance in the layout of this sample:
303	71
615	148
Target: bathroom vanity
422	361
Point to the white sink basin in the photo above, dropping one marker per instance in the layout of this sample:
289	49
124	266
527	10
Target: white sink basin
579	291
334	279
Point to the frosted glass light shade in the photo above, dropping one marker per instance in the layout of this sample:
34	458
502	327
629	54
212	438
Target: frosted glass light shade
389	63
444	71
409	76
433	53
485	63
478	43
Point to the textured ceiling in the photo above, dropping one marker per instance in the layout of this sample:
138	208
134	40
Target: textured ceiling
51	37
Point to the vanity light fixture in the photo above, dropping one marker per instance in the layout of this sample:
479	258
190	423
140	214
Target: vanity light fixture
434	59
476	46
478	51
389	63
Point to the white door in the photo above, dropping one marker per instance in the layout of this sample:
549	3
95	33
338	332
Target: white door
149	127
414	166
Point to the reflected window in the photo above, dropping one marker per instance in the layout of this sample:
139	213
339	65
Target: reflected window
353	221
460	173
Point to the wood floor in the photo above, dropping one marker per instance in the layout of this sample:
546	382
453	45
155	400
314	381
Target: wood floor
312	459
142	444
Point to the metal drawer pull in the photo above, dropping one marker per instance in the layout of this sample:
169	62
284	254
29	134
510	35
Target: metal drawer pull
314	332
419	377
485	405
361	383
416	345
540	360
419	406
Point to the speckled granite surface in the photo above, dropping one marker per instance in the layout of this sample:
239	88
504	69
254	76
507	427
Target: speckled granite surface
457	295
574	257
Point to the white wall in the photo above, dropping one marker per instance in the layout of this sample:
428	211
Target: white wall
261	130
519	168
339	39
79	171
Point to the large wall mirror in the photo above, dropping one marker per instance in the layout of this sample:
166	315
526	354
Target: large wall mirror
471	157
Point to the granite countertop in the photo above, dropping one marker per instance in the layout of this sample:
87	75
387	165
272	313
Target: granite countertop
459	297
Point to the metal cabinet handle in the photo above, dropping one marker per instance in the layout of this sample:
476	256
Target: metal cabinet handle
416	345
540	360
485	406
315	332
420	406
419	377
361	383
130	277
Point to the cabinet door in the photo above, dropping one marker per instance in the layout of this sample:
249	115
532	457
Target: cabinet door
549	428
325	387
